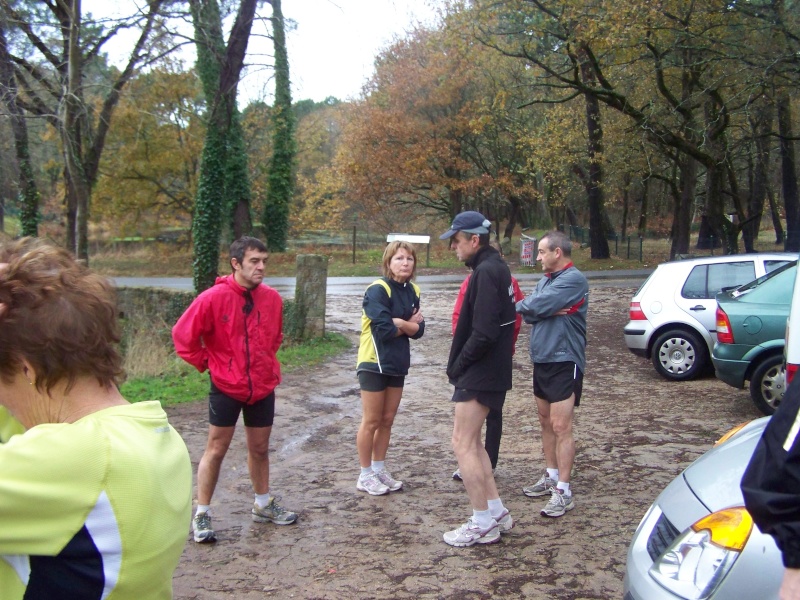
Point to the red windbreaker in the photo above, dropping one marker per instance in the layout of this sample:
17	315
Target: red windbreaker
234	339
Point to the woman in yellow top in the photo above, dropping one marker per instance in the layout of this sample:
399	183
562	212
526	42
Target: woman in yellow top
390	317
95	494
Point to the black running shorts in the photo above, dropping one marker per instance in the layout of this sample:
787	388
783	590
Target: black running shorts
223	411
493	400
377	382
557	381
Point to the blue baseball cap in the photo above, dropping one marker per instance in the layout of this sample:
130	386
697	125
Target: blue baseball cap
469	221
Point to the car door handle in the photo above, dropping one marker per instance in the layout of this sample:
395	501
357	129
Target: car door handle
698	307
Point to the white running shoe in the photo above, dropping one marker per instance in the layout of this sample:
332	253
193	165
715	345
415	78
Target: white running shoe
372	485
504	521
386	479
470	533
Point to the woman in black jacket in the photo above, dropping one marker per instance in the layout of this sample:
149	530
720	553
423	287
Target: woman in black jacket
390	316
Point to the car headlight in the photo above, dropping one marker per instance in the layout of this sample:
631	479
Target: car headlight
699	558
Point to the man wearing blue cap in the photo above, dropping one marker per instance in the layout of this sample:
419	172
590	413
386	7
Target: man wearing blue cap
480	369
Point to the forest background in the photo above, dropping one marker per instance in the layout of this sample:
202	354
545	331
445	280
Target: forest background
621	119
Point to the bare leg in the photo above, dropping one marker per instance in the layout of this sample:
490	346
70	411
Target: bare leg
258	457
473	461
380	442
372	404
219	439
548	435
561	420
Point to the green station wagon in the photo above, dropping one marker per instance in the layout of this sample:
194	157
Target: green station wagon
751	327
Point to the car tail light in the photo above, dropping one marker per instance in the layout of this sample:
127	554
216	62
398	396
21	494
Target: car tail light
791	369
636	312
724	331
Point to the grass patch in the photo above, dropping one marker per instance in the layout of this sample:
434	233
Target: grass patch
293	356
179	382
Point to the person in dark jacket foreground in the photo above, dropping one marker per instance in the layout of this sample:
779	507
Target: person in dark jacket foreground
771	487
234	330
480	369
390	317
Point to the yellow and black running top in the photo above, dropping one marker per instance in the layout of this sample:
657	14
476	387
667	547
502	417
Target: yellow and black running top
381	350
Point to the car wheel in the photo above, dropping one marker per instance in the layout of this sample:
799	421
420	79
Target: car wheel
679	355
768	383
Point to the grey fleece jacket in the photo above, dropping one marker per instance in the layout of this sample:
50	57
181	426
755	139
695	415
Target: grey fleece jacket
558	338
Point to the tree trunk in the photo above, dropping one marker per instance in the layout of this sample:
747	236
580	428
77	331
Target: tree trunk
29	214
721	227
682	221
758	189
626	183
791	200
237	181
280	181
641	227
72	130
776	218
220	77
597	234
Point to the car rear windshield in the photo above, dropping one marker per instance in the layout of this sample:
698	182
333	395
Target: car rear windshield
774	288
705	281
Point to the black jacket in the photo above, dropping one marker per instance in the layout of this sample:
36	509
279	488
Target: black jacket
771	483
380	349
483	343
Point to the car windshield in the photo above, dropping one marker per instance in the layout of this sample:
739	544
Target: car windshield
774	288
757	283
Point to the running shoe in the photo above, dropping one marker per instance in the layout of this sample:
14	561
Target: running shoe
544	486
273	513
201	527
504	521
372	485
386	479
470	533
457	475
559	504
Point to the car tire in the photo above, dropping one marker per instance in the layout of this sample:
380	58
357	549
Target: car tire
768	383
679	355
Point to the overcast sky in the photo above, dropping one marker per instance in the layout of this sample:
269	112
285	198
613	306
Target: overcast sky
331	49
331	52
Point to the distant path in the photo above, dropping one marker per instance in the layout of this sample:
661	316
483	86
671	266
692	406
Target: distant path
348	285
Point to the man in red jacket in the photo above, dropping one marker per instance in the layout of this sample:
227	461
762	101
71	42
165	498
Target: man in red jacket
234	330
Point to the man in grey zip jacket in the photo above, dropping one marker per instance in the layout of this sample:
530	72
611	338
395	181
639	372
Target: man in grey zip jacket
557	311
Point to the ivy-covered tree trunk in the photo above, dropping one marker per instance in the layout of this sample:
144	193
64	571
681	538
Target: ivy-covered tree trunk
237	180
223	181
207	221
29	213
280	179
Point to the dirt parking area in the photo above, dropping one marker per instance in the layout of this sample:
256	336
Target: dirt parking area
634	433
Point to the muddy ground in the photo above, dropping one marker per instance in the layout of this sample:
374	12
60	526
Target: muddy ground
634	433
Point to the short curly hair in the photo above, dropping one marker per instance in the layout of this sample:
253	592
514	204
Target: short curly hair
59	316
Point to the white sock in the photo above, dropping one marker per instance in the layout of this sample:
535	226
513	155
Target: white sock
483	518
202	508
552	473
262	499
377	465
365	471
496	507
564	487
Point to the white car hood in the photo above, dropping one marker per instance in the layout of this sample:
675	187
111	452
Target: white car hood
716	476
